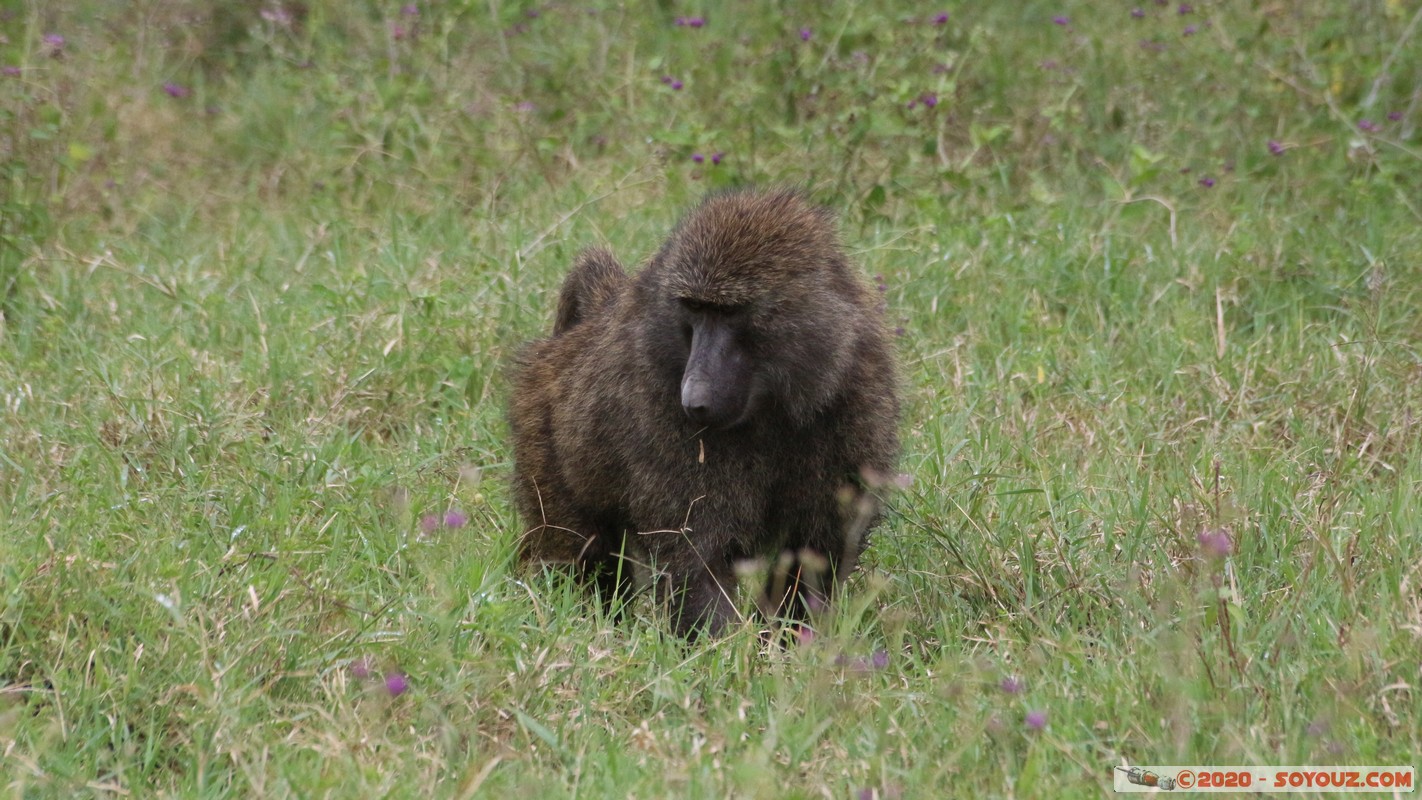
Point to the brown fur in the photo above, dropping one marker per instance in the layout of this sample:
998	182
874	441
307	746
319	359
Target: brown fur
608	463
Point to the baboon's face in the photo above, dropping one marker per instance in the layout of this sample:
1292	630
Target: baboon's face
718	386
749	310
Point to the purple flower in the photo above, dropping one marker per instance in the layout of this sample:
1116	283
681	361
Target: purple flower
361	668
913	104
1190	30
526	105
1012	685
398	32
1185	8
54	40
880	659
698	158
430	523
410	10
1061	21
941	18
1137	13
1207	182
690	22
1394	116
716	159
396	683
1215	542
1276	147
929	99
1036	720
805	34
10	71
899	331
1367	125
667	79
676	85
176	90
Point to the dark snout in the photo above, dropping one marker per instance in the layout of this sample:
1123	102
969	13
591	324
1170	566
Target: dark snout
715	387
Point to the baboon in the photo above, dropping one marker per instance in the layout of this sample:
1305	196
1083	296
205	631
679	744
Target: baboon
736	398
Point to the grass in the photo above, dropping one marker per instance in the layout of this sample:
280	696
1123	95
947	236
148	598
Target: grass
264	267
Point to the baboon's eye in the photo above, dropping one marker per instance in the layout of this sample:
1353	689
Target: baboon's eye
695	306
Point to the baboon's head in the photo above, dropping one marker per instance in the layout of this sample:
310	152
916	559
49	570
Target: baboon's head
749	305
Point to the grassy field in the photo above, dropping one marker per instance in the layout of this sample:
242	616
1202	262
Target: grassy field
263	266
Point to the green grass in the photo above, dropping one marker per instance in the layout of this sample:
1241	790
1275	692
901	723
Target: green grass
254	334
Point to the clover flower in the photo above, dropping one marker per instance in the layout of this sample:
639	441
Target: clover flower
1215	542
396	683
